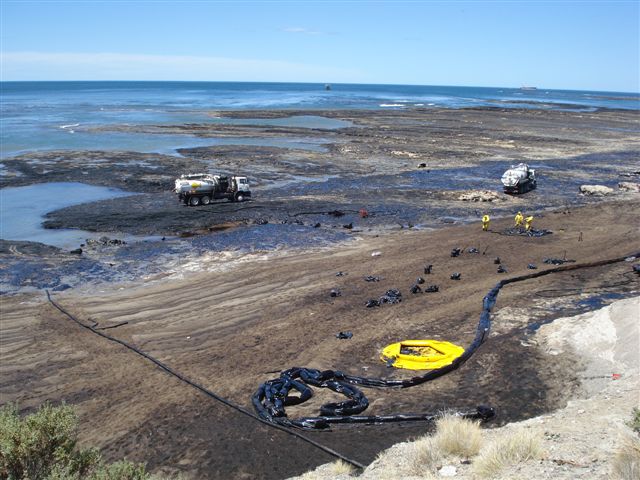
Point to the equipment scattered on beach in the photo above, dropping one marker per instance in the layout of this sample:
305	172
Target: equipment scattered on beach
201	188
519	179
272	396
420	354
270	399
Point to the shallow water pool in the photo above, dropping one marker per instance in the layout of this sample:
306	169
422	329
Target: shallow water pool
22	211
27	140
299	121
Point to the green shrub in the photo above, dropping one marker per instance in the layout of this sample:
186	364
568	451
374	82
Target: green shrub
43	445
634	423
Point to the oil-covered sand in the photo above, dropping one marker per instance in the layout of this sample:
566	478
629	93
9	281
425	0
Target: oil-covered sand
245	318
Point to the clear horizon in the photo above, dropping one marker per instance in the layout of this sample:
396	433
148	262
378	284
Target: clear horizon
570	45
313	83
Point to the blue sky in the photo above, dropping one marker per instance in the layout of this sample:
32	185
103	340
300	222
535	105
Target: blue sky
550	44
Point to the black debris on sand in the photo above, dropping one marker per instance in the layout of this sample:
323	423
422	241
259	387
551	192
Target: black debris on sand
392	296
557	261
526	233
344	335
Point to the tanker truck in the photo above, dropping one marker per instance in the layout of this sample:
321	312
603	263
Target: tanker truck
519	179
201	188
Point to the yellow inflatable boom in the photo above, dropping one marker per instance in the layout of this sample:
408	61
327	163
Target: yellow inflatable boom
420	354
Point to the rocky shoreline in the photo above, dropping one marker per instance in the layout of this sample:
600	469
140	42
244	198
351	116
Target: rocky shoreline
410	167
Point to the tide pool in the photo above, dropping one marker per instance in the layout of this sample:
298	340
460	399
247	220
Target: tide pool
22	211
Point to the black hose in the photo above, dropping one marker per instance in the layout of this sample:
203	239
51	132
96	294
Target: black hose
270	399
203	389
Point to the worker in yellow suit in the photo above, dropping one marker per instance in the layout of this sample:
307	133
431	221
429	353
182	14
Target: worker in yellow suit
519	219
485	222
527	223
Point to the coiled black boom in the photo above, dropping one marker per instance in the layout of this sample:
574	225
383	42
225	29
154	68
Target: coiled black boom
272	396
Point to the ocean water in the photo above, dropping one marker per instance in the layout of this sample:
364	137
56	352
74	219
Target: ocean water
58	115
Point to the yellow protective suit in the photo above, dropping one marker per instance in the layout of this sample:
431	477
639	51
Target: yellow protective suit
527	223
519	219
485	222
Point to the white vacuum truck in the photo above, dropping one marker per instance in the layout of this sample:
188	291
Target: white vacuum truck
200	188
519	179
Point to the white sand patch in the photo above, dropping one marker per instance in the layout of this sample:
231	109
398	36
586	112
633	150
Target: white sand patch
213	262
607	339
402	153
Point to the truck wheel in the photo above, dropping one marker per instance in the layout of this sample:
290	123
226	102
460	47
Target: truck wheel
239	197
205	200
194	201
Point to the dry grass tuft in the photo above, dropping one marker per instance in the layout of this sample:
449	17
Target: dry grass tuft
454	436
514	448
341	467
458	436
423	457
626	463
417	459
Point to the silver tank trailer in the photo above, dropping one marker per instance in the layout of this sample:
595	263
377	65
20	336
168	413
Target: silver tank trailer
519	179
195	183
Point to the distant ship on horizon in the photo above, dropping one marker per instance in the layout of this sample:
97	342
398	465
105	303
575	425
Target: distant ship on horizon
524	87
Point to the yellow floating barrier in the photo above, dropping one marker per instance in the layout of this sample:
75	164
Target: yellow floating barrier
421	354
